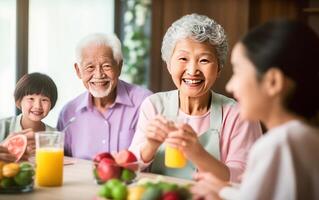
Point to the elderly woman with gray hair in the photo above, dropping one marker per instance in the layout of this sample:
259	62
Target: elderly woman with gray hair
214	138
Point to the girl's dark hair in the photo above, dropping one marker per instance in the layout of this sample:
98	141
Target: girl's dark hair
36	83
293	48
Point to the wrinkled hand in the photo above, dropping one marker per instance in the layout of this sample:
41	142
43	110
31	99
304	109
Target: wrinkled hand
5	155
207	186
185	139
30	142
157	130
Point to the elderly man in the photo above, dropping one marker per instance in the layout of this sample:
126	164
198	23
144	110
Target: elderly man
105	115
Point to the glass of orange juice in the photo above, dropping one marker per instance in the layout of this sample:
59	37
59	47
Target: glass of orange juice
49	158
174	158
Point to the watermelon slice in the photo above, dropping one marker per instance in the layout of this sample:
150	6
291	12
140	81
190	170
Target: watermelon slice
16	145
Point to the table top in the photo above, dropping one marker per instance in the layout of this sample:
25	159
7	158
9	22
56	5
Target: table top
78	184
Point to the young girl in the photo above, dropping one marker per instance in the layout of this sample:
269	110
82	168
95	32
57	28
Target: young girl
35	95
275	73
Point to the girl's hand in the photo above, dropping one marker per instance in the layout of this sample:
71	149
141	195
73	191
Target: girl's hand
185	139
207	186
5	155
30	141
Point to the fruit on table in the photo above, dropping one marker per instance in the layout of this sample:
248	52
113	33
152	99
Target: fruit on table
119	192
7	183
107	169
16	175
127	175
113	189
1	165
16	145
10	170
100	156
152	193
171	196
122	166
25	175
124	156
135	192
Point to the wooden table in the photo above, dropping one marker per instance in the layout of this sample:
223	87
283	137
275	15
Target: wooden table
78	184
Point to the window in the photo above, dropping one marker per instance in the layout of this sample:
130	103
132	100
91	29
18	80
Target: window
55	27
7	57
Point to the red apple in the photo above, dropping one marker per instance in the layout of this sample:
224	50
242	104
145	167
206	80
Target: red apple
124	157
171	196
108	169
100	156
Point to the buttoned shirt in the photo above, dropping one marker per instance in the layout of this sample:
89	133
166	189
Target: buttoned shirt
92	131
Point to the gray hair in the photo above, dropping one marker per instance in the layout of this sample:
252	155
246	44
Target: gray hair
108	40
200	28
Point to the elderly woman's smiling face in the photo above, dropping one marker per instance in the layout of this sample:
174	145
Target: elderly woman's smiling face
193	67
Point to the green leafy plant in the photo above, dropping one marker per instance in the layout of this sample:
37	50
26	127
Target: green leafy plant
136	41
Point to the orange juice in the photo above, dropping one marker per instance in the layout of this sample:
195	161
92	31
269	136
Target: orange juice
49	166
174	158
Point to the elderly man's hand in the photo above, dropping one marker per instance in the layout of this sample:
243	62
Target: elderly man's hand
5	155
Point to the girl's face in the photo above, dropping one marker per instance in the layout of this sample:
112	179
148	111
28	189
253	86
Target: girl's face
35	107
249	92
193	67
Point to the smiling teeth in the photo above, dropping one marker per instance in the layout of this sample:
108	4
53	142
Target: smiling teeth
99	83
192	81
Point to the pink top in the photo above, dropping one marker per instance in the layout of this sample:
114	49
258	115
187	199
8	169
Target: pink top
236	137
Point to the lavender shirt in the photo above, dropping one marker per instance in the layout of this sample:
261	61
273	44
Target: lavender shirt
93	132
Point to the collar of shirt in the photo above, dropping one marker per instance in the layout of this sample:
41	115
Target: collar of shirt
122	97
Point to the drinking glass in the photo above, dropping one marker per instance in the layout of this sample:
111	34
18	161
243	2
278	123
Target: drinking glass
49	158
174	158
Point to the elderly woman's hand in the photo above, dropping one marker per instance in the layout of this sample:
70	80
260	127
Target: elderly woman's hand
207	186
185	139
157	130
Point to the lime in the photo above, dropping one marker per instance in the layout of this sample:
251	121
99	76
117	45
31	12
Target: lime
119	192
167	187
25	166
105	192
112	183
7	182
127	175
152	193
24	178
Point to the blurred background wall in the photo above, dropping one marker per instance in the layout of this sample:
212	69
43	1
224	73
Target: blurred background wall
40	35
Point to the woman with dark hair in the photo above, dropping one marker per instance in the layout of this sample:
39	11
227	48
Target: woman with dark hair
274	72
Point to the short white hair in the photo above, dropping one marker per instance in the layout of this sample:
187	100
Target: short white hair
108	40
200	28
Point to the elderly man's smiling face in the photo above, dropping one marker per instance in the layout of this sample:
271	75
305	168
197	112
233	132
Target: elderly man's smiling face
193	67
99	70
